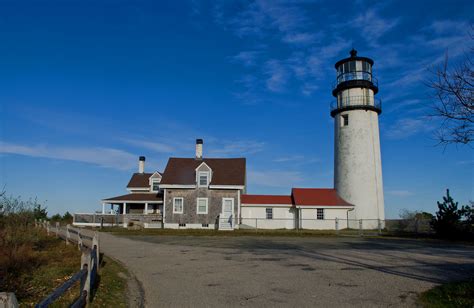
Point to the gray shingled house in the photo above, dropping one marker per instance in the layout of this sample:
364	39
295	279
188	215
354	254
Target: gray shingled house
191	193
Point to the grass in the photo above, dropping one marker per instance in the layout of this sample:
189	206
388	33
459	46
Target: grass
112	285
237	232
453	294
52	263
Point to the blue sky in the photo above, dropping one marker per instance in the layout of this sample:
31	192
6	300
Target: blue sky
88	86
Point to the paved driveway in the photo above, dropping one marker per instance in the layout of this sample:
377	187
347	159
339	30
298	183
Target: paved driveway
280	272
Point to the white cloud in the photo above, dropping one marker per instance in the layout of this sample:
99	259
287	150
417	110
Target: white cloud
104	157
275	178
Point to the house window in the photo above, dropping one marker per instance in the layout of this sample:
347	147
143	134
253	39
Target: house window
202	205
182	225
178	205
205	225
269	213
320	214
156	186
203	179
344	120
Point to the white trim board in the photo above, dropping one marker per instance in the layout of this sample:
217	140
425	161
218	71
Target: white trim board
226	186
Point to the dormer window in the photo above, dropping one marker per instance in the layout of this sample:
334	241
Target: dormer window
203	179
155	186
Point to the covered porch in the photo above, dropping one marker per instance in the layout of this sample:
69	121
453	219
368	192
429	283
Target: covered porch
144	209
134	203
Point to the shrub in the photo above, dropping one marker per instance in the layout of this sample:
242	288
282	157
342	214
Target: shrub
452	222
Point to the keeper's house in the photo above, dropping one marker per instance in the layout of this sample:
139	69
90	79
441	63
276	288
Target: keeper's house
210	193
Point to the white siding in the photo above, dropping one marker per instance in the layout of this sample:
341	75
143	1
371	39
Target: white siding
256	216
308	219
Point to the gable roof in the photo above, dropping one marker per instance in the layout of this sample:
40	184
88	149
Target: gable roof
225	171
266	199
317	196
139	180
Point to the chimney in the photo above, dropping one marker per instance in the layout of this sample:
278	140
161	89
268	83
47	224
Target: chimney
141	164
199	143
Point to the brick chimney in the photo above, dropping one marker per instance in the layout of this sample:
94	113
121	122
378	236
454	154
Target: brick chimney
199	143
141	164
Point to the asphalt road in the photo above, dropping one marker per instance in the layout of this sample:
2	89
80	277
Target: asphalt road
182	271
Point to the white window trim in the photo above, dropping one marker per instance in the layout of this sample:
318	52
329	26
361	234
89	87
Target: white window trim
208	176
182	205
197	206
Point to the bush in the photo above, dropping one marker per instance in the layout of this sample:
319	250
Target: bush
17	235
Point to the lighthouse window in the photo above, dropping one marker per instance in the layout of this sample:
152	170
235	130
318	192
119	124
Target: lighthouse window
345	120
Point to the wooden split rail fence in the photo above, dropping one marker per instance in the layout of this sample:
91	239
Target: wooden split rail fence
87	274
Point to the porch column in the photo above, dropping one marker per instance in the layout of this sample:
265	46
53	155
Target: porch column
146	208
103	208
125	208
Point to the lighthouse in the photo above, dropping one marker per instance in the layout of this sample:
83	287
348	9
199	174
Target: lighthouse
357	158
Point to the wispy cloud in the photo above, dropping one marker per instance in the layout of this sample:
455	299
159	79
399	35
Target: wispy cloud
373	26
408	127
275	178
301	38
400	193
277	75
150	145
235	148
100	156
246	58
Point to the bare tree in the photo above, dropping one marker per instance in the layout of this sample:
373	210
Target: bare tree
454	105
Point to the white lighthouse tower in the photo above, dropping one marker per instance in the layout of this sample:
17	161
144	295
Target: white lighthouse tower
357	160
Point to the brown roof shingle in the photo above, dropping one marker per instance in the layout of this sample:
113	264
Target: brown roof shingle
137	197
139	180
225	171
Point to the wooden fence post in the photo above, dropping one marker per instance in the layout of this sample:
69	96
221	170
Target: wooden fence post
68	235
86	263
79	239
337	225
95	244
379	226
360	227
47	227
57	229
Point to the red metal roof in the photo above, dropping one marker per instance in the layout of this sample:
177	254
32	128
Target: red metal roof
266	199
317	196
